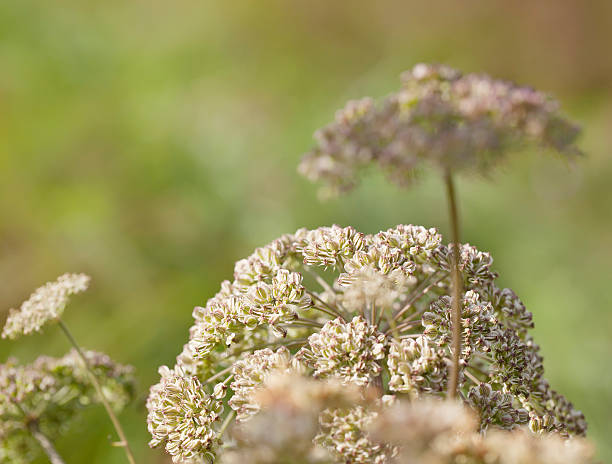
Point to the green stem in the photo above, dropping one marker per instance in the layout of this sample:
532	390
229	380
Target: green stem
218	375
45	444
403	326
329	309
456	280
328	312
303	323
226	423
324	285
418	293
288	342
109	410
472	377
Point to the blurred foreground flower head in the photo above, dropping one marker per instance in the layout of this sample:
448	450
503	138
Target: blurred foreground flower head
293	427
452	120
288	421
430	431
47	394
45	305
306	303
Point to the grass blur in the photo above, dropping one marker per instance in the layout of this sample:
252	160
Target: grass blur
152	144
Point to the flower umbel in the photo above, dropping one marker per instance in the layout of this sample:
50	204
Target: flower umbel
181	417
370	312
45	305
440	116
48	393
348	351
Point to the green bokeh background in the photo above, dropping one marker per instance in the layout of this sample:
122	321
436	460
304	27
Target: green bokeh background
152	144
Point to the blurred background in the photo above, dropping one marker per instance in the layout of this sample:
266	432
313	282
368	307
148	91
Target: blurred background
152	144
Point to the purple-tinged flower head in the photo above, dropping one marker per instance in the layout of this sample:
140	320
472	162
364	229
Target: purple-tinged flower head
439	116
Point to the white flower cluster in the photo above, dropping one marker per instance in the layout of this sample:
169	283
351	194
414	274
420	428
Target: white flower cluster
344	433
250	374
46	304
181	417
349	351
440	116
369	311
48	393
416	366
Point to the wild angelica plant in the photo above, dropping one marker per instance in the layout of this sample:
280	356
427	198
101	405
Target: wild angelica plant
38	400
398	313
453	121
364	310
46	306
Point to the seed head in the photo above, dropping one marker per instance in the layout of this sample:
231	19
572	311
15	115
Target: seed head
439	116
371	312
346	350
50	392
181	417
46	304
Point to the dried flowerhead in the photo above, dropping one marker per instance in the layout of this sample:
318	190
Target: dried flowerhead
46	304
182	417
449	119
346	350
431	431
306	302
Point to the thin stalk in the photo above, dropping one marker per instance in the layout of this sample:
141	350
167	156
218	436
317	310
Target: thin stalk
391	322
467	373
484	357
379	317
456	280
329	309
319	279
403	326
472	377
302	323
418	293
479	370
226	423
340	263
328	312
219	374
415	315
111	414
45	444
377	383
331	306
289	342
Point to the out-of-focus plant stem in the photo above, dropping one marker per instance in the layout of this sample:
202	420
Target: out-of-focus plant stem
457	284
123	442
45	444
